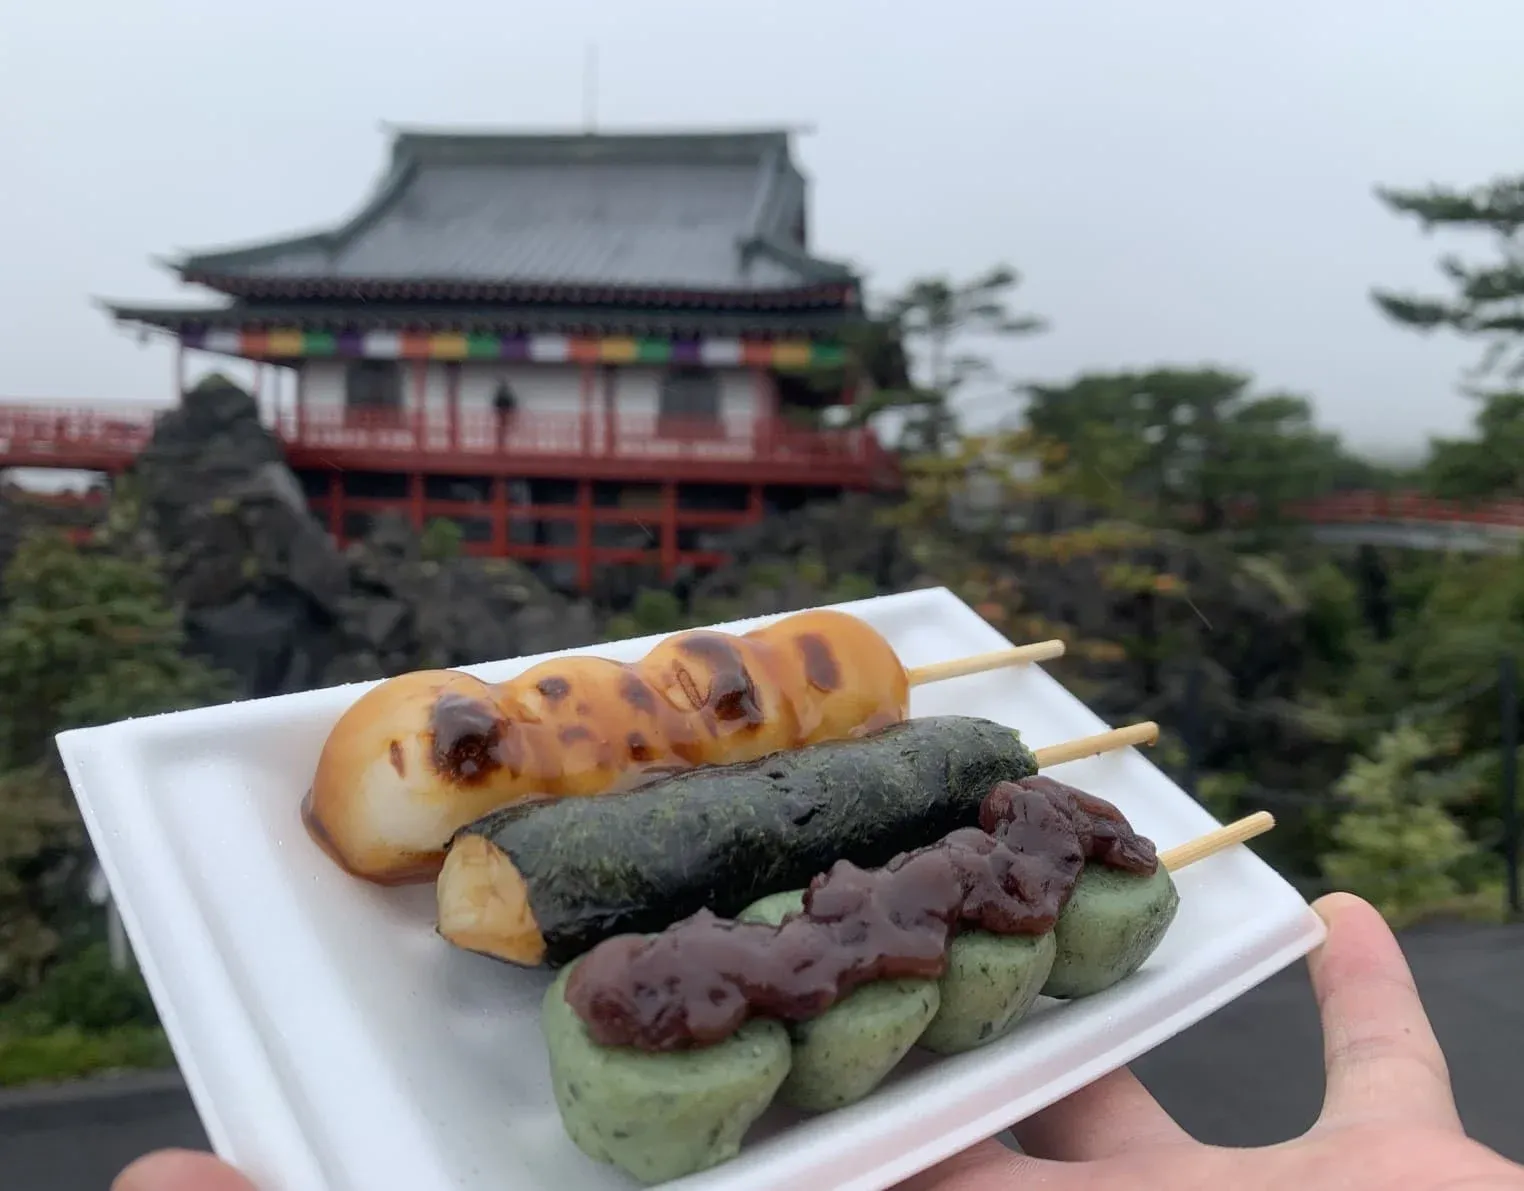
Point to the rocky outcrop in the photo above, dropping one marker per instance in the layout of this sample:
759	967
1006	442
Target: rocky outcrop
811	551
406	611
271	599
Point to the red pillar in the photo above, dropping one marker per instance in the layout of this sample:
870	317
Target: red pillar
765	400
669	531
336	507
499	515
755	507
585	535
301	401
610	395
452	399
420	403
415	499
589	386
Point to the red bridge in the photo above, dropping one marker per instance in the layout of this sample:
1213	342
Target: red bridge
1417	522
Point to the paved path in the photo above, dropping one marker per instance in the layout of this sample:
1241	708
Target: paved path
1249	1075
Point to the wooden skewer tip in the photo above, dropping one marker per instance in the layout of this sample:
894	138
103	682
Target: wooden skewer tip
1146	732
1228	836
980	663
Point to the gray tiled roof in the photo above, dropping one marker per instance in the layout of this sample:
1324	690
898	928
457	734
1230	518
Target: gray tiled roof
715	212
631	320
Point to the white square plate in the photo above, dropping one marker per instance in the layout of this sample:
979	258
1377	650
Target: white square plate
333	1042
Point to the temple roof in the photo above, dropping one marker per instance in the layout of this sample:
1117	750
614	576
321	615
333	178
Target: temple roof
467	317
711	217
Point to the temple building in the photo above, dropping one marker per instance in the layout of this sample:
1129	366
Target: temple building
583	349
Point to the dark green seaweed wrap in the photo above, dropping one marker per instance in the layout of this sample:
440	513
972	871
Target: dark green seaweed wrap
723	836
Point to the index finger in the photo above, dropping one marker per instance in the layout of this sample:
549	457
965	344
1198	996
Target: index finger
1382	1059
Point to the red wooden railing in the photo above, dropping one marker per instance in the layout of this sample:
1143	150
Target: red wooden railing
600	435
38	436
620	443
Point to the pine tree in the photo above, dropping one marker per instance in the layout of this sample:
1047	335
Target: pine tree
86	637
1487	302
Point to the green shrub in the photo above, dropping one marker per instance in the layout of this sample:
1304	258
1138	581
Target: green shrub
441	539
657	611
767	574
852	586
71	1053
811	570
1395	844
86	992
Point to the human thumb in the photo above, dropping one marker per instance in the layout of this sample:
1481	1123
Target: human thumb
180	1170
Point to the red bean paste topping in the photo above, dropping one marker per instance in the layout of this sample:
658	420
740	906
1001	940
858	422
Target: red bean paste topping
701	979
1104	834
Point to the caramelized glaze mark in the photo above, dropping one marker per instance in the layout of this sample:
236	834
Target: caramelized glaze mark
640	748
732	693
690	688
820	666
716	649
399	762
634	691
553	687
733	697
468	738
572	733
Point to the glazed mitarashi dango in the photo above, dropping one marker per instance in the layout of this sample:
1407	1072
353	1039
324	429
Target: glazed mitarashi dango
701	979
423	754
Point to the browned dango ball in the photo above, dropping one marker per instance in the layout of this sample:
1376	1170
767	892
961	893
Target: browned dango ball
423	754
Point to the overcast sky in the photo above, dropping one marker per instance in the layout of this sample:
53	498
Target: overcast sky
1180	181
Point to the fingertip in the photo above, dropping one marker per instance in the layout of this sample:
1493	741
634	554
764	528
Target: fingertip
1354	926
180	1170
1334	906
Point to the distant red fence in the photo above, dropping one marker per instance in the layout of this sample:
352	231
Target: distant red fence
1355	508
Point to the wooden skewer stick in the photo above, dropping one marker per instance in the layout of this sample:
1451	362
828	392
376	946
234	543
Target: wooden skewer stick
1038	651
1102	742
1216	841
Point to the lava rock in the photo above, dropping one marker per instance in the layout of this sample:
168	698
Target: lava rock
271	599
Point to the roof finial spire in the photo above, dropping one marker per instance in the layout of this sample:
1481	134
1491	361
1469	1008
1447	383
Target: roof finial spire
590	89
